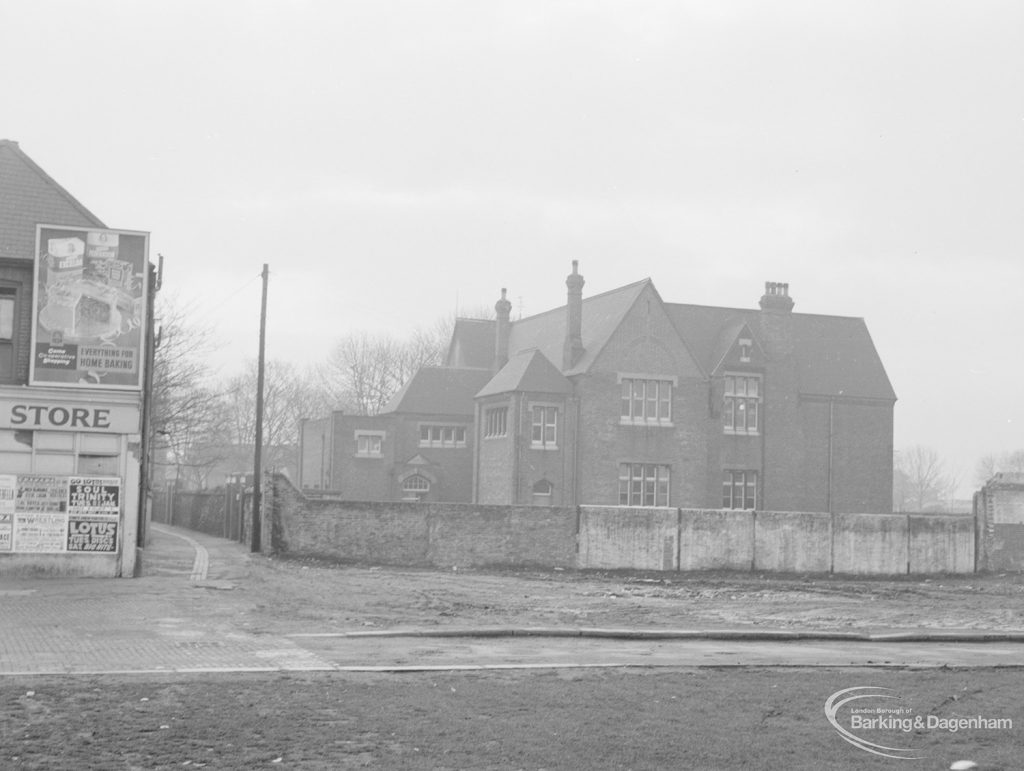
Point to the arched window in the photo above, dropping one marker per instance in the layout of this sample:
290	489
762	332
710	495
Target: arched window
542	492
415	487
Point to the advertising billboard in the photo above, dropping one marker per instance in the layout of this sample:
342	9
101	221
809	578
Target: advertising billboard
90	308
54	514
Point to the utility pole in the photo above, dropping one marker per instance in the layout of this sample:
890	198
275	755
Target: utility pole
257	497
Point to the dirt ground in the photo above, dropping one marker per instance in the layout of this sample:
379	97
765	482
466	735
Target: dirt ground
288	594
608	719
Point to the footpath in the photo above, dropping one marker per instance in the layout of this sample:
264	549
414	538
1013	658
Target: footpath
192	611
179	616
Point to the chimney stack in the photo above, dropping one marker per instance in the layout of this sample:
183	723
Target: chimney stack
776	297
503	311
573	349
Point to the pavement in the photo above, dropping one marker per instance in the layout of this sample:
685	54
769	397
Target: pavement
185	615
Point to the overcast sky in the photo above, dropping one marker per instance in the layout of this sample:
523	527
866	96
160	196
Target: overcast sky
392	160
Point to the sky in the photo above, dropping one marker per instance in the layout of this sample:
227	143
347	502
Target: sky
396	162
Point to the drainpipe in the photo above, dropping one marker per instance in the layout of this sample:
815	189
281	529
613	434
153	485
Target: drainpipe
831	434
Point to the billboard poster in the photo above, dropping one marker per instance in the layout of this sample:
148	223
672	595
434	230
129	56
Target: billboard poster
92	534
39	532
8	493
49	513
94	496
90	314
41	493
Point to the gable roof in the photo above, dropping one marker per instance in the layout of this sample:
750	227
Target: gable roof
439	391
835	355
28	197
528	371
472	344
602	315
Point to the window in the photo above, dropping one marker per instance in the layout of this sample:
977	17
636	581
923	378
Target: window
742	402
57	452
745	345
368	443
496	422
542	492
8	297
442	436
545	419
645	400
643	484
415	487
739	490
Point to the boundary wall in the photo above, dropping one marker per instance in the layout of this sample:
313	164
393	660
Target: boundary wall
606	537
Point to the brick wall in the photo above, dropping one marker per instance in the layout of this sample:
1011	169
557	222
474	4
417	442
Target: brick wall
420	534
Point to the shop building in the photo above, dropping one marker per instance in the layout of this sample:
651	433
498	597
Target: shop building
74	322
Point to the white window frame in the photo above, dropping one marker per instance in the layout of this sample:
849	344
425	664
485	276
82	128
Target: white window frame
417	492
738	404
645	485
640	399
544	427
450	435
374	444
744	480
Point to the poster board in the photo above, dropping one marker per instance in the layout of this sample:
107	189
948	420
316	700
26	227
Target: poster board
55	514
90	290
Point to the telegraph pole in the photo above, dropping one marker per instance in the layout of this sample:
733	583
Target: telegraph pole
257	497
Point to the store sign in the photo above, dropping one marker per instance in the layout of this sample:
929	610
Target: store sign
90	300
39	415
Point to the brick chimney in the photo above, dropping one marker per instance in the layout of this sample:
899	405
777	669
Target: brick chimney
777	320
502	310
776	297
573	349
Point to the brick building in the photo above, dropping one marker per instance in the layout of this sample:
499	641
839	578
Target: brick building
625	399
74	323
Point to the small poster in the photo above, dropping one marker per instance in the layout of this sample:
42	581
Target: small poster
93	534
41	493
94	496
8	493
39	532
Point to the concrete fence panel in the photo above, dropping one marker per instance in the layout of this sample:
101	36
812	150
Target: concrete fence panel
643	539
792	542
716	540
870	544
941	544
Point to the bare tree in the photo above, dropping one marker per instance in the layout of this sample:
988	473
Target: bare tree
920	480
184	413
363	371
990	465
286	392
